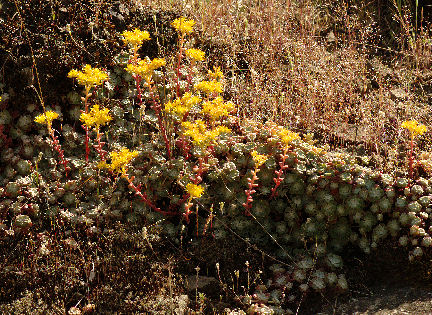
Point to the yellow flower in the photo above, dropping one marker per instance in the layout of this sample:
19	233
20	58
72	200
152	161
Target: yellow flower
195	191
216	74
287	136
199	133
46	118
120	160
259	159
217	108
181	106
414	127
209	87
183	26
89	77
135	38
196	54
96	117
145	68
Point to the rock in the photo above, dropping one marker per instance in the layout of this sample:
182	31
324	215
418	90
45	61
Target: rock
398	94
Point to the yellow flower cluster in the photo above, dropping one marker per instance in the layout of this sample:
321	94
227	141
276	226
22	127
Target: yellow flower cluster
119	160
195	191
217	108
196	54
46	118
135	38
414	127
89	77
183	26
287	136
96	117
182	105
199	133
145	68
259	159
209	87
216	74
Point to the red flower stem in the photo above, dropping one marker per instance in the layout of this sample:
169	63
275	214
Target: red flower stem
100	144
157	108
144	196
139	92
87	149
180	55
60	151
278	179
188	205
189	78
250	191
411	158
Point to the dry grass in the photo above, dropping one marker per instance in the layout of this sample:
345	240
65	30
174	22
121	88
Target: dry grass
348	73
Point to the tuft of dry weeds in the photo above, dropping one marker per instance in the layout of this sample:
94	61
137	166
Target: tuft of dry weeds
350	73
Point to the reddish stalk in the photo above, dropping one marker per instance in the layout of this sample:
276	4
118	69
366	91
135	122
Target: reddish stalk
87	149
279	174
157	108
144	197
411	158
180	55
250	191
100	144
60	151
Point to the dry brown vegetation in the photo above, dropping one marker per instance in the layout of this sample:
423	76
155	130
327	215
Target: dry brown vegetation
350	72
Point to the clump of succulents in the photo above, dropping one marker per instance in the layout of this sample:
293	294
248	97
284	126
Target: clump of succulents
166	148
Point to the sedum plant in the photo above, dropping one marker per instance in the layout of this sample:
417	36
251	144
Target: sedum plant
168	136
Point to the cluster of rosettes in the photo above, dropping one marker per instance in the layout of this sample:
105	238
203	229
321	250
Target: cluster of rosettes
96	117
89	77
145	68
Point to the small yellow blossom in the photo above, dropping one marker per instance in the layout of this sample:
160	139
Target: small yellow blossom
182	105
196	54
217	108
183	26
216	74
414	127
145	68
120	160
195	191
259	159
135	38
89	77
209	87
96	117
199	133
46	118
287	136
